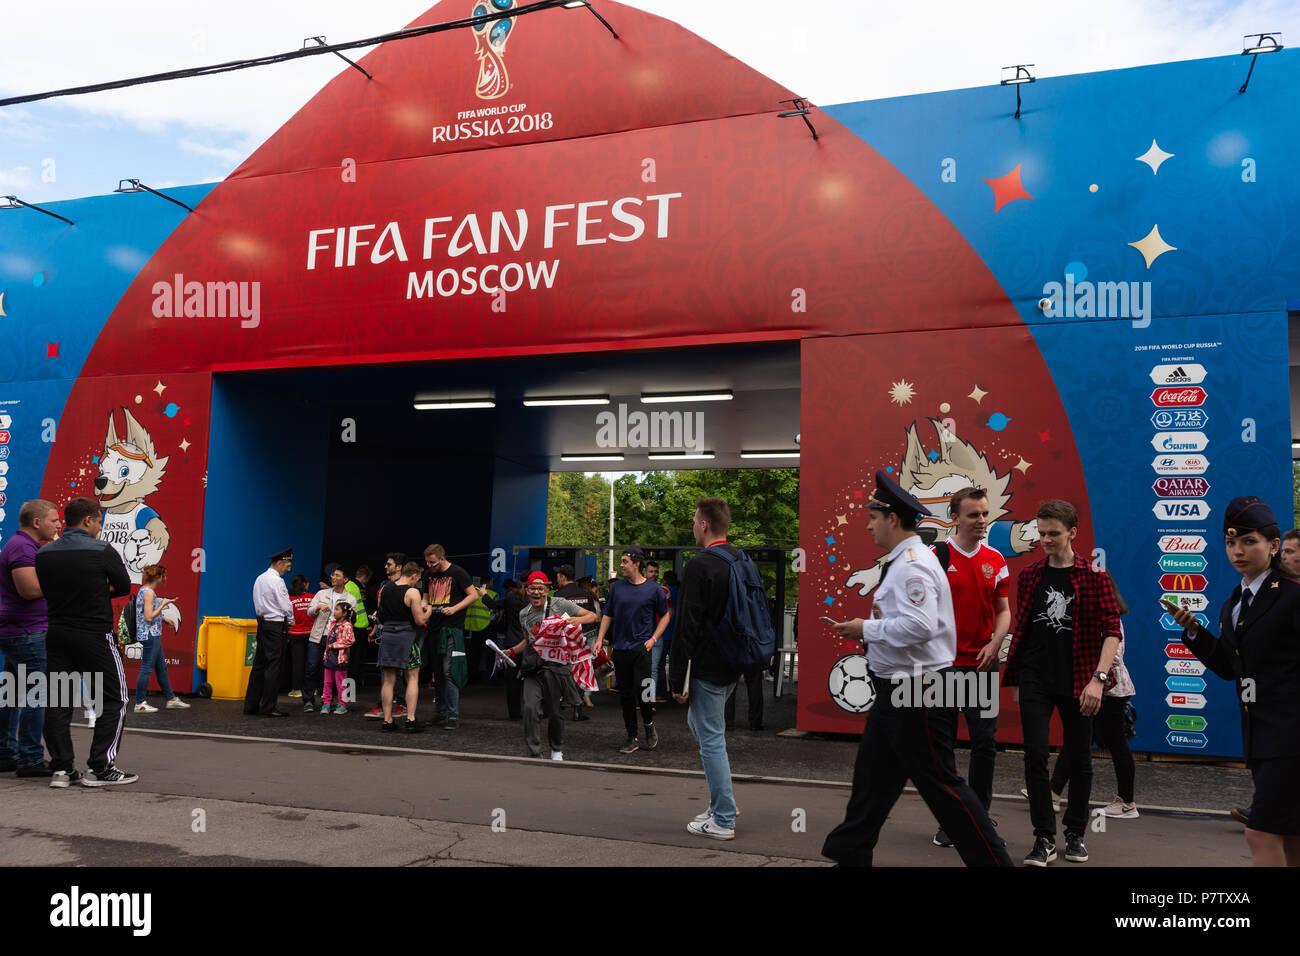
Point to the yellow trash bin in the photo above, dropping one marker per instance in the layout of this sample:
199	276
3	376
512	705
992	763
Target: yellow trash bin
225	651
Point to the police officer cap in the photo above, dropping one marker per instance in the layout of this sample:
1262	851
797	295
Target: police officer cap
889	496
285	555
1245	514
566	570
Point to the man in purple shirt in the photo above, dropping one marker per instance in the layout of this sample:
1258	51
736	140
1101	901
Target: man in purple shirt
23	623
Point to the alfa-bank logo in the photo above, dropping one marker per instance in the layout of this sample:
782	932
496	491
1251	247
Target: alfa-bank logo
1181	487
1180	464
1173	442
1182	544
1185	374
1178	397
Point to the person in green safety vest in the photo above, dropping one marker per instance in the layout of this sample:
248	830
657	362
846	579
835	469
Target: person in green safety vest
479	627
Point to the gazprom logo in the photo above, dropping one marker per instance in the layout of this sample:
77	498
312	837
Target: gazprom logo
1180	441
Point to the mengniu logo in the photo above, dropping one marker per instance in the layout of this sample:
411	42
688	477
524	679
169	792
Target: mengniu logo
1182	582
1191	741
1181	511
1181	487
1179	397
1187	563
1182	543
1179	652
490	38
1168	418
1193	602
1185	374
1186	722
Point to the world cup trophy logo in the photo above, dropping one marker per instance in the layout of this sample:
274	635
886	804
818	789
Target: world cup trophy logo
490	38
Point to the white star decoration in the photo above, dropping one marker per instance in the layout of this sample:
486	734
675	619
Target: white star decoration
160	388
902	392
841	519
1022	466
185	444
978	394
1152	246
1153	157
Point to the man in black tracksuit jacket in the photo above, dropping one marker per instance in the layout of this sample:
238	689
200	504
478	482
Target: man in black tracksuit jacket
80	575
702	604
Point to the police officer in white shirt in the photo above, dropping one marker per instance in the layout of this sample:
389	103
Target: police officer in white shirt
912	631
274	615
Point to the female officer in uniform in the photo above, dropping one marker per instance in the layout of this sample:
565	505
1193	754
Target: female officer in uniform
1259	647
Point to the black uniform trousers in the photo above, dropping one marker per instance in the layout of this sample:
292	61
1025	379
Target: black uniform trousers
902	743
264	681
74	651
632	671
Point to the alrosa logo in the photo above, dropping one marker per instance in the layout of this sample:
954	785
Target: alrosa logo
1178	397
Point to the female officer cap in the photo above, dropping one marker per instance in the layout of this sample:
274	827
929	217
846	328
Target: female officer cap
1245	514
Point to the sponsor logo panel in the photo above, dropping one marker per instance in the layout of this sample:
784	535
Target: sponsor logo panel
1182	543
1186	722
1188	740
1187	373
1181	487
1187	510
1187	684
1180	464
1179	397
1183	582
1187	563
1180	418
1187	668
1170	442
1193	602
1186	701
1169	624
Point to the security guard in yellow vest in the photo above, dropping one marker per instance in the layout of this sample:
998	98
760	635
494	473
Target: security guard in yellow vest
478	622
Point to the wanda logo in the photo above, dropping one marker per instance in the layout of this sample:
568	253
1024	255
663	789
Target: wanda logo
1178	397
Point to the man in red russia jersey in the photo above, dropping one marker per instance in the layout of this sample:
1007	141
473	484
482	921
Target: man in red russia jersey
979	581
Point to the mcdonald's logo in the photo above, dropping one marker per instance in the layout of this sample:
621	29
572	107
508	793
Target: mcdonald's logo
1182	582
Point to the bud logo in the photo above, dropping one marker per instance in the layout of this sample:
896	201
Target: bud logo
1182	544
1180	441
1186	722
1178	397
1180	464
1179	652
1182	582
1193	602
1182	511
1189	740
1188	563
1181	487
1185	374
1186	701
1169	624
1193	684
1188	668
1179	418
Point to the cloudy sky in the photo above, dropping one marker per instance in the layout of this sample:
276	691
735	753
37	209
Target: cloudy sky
198	130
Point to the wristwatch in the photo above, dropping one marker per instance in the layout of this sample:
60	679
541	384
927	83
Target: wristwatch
1103	677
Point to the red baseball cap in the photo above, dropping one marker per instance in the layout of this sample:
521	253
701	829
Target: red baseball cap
537	576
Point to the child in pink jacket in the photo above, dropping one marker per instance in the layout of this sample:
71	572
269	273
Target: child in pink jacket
339	638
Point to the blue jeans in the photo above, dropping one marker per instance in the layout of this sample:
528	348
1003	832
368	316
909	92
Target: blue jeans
704	715
657	685
154	660
20	728
449	699
312	672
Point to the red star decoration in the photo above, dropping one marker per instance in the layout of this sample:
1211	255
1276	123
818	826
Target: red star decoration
858	495
1007	189
1042	436
51	349
187	421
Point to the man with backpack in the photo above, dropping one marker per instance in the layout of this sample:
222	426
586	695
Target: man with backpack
719	635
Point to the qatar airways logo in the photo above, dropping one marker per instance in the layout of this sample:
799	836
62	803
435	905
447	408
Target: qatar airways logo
598	222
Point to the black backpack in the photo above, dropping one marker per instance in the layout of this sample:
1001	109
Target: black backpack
745	635
126	629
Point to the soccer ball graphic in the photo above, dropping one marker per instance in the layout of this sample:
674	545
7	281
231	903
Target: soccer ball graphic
850	685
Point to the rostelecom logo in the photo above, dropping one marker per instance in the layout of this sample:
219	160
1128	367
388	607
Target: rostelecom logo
490	38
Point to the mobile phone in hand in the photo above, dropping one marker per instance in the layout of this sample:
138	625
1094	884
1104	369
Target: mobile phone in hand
828	621
1169	606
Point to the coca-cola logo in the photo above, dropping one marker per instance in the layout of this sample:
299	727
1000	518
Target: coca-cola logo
1178	397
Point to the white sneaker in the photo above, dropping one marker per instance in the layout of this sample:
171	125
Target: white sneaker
90	719
708	815
707	828
145	709
177	704
557	755
1119	810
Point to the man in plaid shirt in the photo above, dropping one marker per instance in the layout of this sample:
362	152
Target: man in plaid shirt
1063	643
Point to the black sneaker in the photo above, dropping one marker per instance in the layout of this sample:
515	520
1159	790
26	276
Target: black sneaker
108	777
413	727
36	770
307	708
651	738
1075	851
451	724
942	839
1043	853
65	778
630	746
388	726
441	719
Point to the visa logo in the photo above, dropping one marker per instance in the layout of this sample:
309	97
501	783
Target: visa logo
1191	510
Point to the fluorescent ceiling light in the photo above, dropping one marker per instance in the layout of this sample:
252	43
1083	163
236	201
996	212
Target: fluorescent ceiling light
591	458
434	404
716	395
679	455
573	4
769	454
570	400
